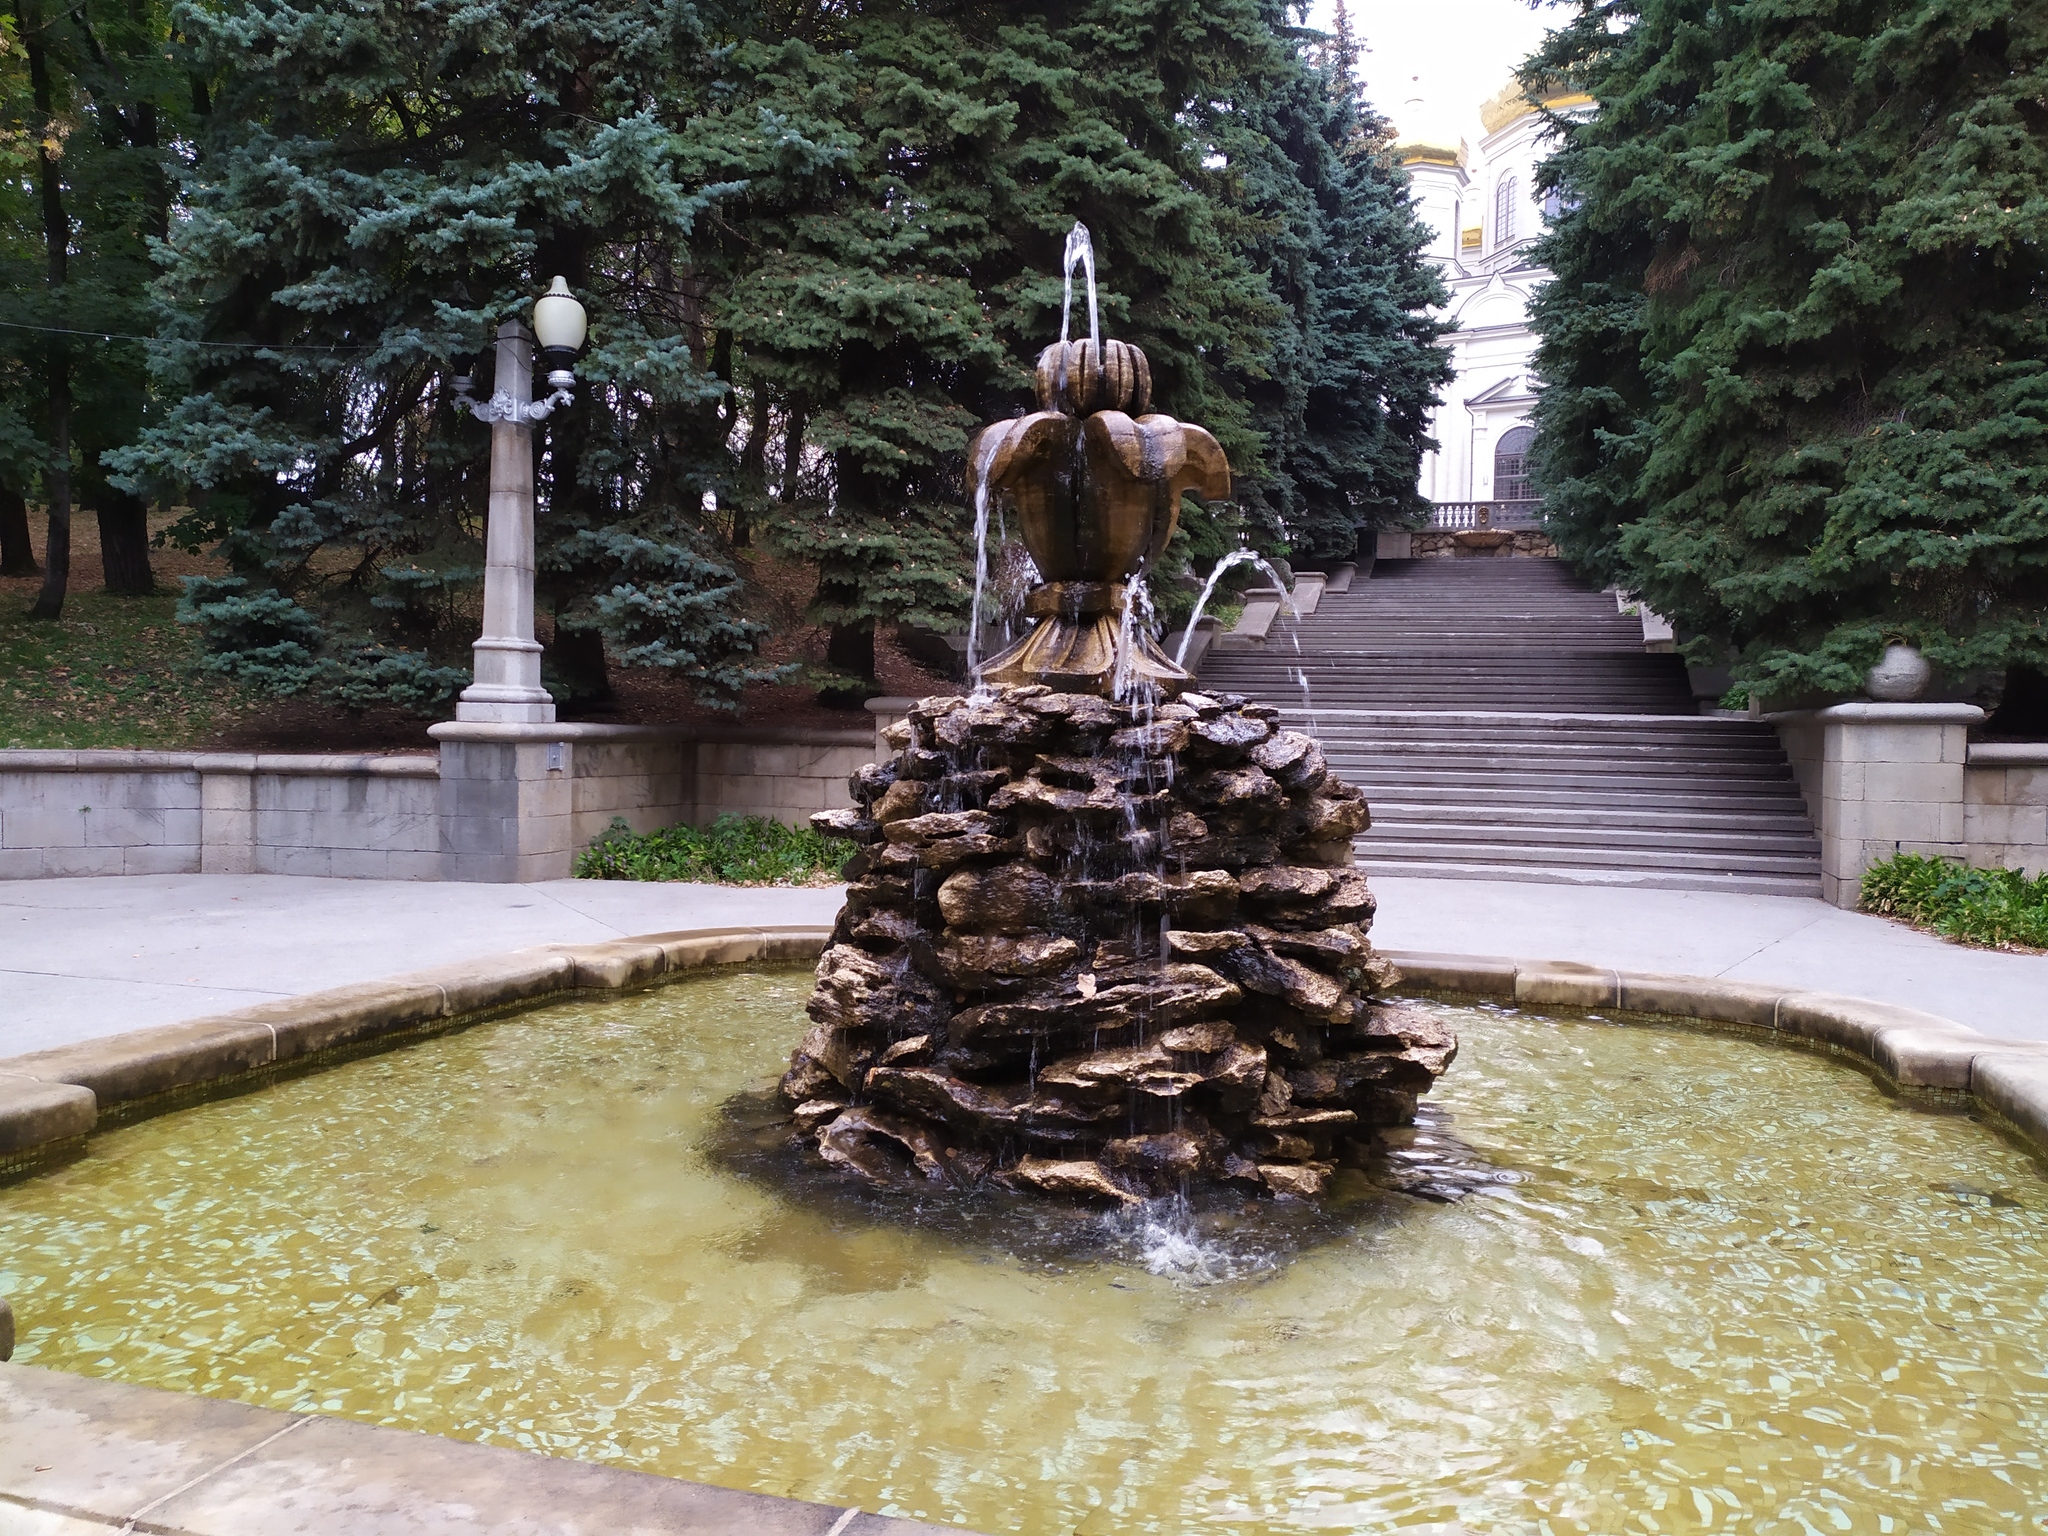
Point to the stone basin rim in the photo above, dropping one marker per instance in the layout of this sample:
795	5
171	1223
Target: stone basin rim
204	1465
52	1100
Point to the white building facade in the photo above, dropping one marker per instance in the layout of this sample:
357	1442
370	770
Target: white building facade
1485	211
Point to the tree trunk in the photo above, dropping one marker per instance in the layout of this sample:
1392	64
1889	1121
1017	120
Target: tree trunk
579	660
793	447
852	649
124	542
49	603
753	468
17	555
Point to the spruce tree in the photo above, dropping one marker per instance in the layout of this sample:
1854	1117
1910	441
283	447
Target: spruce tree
1796	356
1342	400
376	186
905	260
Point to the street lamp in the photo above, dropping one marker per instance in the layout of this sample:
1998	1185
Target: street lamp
507	658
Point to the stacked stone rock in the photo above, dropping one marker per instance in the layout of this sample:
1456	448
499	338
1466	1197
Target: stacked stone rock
1104	952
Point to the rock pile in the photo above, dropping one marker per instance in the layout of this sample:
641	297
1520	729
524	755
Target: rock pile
1104	952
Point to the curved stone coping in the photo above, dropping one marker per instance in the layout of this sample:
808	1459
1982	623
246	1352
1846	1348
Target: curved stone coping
1908	1048
54	1097
422	764
81	1457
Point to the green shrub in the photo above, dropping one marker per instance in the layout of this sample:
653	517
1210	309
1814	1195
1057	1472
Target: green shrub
1999	907
734	850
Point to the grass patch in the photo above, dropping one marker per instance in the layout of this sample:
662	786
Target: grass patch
113	672
2001	908
734	850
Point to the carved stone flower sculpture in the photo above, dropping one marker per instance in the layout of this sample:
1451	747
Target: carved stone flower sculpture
1095	478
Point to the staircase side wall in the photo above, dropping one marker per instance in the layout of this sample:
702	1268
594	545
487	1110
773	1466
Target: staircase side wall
1881	779
2005	807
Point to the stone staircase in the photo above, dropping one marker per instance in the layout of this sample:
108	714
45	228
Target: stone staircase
1506	723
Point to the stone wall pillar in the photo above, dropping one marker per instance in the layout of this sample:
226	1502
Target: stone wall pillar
519	802
227	813
1890	779
506	802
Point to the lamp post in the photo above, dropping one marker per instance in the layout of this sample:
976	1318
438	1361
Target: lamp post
507	657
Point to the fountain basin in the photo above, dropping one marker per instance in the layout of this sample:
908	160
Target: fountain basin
1684	1259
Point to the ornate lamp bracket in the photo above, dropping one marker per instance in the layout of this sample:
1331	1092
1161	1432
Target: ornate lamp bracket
502	407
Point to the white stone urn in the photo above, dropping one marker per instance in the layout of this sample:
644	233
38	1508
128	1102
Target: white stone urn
1902	675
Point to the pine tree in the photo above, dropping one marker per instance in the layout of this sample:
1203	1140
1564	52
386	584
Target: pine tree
1796	356
376	186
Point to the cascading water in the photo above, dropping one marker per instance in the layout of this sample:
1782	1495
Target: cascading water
1080	252
978	488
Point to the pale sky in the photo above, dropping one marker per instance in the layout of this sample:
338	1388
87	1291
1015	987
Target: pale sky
1453	53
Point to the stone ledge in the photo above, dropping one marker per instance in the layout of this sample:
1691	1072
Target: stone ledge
1905	1047
422	765
2009	754
595	735
1880	714
36	1114
49	1098
82	1456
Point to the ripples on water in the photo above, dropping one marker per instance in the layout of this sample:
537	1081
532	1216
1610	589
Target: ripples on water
1661	1281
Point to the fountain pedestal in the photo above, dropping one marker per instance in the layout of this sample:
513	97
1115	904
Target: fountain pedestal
1104	952
1101	942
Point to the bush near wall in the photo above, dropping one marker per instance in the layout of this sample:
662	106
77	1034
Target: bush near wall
1997	907
734	850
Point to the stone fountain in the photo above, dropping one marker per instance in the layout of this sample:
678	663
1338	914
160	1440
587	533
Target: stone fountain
1104	937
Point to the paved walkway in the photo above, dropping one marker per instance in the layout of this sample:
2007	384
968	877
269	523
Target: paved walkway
84	958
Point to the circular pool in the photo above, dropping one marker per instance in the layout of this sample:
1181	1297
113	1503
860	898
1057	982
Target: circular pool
1622	1278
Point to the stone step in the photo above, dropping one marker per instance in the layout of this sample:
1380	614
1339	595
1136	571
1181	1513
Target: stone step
1583	837
1788	820
1607	747
1510	737
1589	789
1432	719
1597	797
1743	883
1583	856
1450	769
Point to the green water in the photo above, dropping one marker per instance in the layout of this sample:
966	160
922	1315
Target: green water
1716	1286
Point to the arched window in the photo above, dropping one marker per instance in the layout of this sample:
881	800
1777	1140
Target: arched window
1511	480
1504	203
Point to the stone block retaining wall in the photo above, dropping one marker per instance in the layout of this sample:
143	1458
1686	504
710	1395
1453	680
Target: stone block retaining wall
1881	779
2005	805
136	813
497	803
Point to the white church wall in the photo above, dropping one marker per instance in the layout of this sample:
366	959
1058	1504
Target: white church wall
1492	284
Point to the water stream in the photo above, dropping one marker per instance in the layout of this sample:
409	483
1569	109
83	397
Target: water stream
979	484
1235	557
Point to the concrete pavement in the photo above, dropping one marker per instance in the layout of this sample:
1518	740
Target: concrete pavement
91	957
85	958
1791	940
